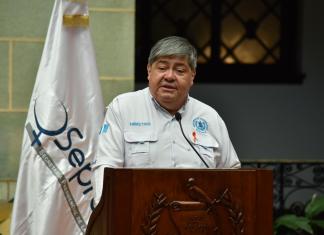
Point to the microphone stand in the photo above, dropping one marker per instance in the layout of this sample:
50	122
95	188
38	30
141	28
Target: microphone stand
178	118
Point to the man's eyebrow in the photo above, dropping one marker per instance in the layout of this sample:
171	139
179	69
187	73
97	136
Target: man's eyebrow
181	64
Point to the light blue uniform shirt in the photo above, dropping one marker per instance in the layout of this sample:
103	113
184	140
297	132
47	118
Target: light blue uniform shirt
138	132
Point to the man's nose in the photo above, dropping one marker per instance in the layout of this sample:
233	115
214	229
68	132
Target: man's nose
169	75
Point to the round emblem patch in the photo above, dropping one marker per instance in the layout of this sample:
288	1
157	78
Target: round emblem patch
200	125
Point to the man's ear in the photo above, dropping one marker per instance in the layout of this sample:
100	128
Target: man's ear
148	67
193	75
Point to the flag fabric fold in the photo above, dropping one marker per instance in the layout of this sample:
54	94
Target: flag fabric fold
54	194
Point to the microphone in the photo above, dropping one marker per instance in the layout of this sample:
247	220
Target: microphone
178	118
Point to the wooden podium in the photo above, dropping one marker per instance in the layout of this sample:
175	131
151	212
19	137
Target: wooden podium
183	202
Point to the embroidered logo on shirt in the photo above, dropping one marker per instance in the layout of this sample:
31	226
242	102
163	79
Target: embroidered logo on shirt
104	128
200	125
140	124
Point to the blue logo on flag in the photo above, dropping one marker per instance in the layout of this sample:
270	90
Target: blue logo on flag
75	156
200	125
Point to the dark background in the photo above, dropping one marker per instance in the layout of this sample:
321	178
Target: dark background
277	121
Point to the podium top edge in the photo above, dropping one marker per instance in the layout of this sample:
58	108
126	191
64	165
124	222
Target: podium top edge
189	169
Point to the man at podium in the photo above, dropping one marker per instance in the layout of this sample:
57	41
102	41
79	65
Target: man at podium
161	126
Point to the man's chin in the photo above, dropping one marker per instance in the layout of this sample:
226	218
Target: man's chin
171	96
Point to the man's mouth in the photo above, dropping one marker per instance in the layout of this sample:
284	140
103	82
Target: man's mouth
168	87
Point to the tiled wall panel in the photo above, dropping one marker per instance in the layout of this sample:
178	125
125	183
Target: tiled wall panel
23	27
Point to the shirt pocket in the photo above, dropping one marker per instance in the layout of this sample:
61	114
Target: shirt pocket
139	142
208	148
137	148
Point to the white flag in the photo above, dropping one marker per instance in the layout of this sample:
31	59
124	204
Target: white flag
54	194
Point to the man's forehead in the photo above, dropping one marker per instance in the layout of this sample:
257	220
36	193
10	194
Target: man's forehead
178	59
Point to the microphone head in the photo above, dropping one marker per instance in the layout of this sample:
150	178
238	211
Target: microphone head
177	116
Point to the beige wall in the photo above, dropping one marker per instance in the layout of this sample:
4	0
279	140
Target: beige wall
23	26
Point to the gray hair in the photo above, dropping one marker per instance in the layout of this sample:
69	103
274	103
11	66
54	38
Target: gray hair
174	46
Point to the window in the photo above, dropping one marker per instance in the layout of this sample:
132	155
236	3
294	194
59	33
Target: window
238	41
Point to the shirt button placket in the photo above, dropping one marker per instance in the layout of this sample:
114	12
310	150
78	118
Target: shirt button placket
173	141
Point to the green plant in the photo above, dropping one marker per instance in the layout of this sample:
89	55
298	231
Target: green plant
311	222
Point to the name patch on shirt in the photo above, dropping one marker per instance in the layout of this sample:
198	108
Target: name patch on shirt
140	123
200	125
